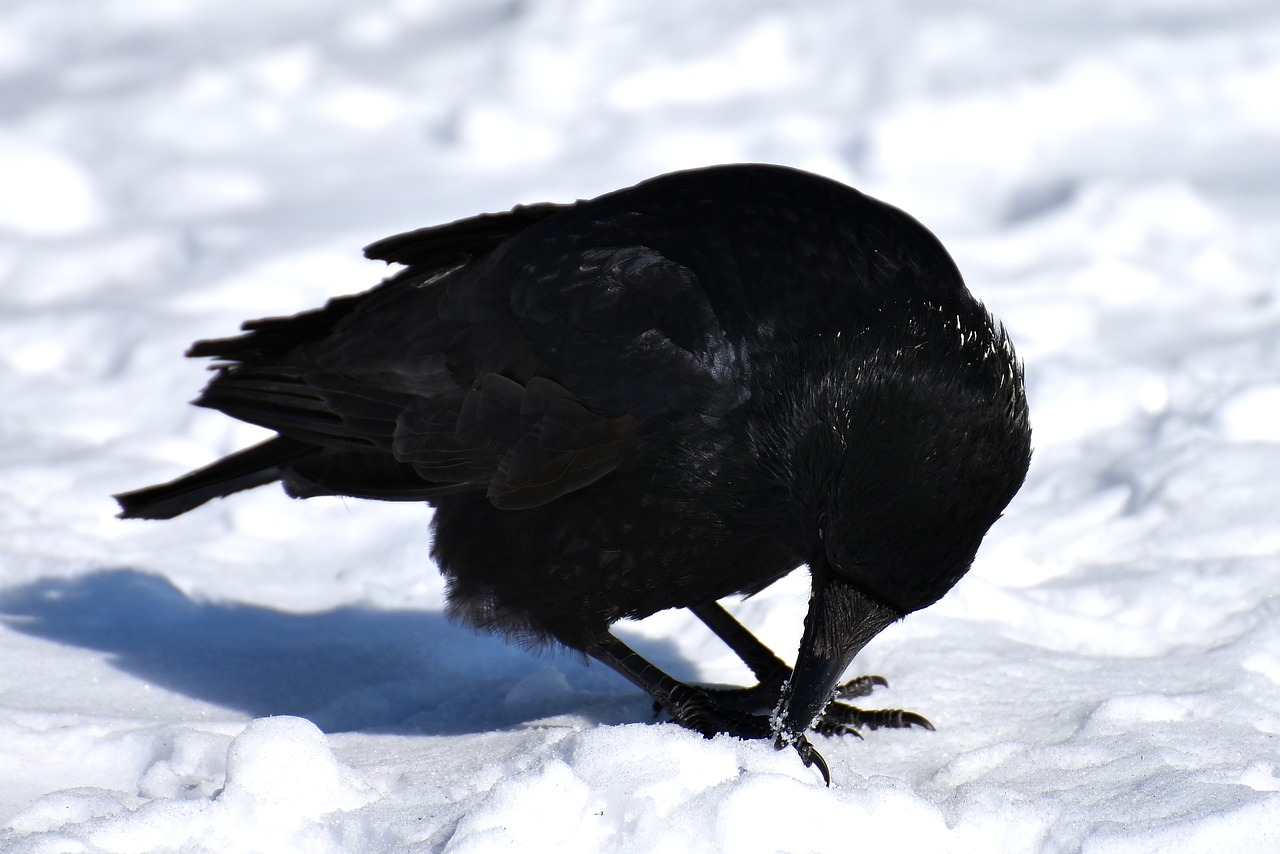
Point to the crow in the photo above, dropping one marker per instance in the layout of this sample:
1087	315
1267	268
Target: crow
658	398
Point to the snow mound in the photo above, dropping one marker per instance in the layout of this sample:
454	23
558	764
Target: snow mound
284	791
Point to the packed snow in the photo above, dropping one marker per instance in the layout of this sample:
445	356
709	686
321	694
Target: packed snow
270	675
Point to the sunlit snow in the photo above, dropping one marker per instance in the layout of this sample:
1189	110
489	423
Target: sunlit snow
272	675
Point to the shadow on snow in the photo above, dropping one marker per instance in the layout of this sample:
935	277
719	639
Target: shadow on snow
348	669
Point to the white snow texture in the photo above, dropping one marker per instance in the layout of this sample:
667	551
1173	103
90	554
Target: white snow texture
265	675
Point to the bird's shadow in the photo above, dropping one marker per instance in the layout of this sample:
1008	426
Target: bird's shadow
351	668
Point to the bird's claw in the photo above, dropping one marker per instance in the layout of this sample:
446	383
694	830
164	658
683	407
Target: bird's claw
811	757
843	719
697	710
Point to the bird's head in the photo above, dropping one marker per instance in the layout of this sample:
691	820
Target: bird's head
910	442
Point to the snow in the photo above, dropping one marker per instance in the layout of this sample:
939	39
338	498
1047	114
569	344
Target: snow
269	675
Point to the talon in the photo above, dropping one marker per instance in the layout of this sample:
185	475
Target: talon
920	721
810	757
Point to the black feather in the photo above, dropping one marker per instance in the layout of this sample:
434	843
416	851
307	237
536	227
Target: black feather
255	466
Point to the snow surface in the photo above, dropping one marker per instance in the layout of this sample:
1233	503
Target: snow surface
268	675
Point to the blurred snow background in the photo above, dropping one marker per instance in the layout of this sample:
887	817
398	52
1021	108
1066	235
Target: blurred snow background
1107	678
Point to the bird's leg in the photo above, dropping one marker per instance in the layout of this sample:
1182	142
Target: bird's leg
769	670
772	673
689	705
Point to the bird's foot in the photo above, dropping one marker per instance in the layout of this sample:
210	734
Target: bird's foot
840	718
763	698
752	713
700	710
738	712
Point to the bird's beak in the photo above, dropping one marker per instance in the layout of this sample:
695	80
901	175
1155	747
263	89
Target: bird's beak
840	622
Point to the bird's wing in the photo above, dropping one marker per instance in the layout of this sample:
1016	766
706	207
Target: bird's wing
628	330
574	360
523	373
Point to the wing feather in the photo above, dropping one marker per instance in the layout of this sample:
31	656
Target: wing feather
498	360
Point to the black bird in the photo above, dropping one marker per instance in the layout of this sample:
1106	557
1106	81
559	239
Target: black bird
654	399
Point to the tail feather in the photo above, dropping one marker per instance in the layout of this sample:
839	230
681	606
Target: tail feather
340	429
254	466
